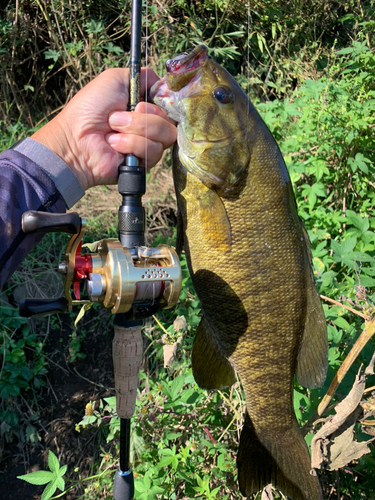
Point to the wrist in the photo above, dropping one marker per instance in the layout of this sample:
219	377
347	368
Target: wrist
66	182
59	139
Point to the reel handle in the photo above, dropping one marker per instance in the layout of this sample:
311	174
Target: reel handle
36	307
34	222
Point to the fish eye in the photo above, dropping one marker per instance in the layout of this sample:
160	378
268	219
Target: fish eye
223	95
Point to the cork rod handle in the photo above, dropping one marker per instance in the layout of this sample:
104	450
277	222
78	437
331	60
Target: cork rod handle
127	350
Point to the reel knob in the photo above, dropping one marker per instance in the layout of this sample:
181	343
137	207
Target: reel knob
39	307
95	286
34	222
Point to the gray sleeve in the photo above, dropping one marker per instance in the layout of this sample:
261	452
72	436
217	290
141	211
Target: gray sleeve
28	184
65	180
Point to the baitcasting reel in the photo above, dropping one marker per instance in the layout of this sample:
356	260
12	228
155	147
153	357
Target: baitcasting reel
137	281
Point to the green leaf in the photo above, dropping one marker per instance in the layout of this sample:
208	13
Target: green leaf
173	435
359	161
49	490
165	461
189	396
345	247
60	483
319	189
175	462
63	470
147	482
115	49
361	223
334	335
168	451
342	323
31	434
52	54
273	30
369	270
53	462
366	281
361	257
220	460
333	355
139	485
39	477
156	490
111	402
176	386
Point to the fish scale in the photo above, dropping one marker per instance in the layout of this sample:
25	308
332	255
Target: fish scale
249	260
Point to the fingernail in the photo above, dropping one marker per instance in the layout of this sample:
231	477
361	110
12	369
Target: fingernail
119	119
146	108
113	139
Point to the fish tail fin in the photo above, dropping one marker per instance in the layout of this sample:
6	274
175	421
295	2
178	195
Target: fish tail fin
285	463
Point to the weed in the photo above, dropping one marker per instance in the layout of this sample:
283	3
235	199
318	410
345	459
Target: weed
185	440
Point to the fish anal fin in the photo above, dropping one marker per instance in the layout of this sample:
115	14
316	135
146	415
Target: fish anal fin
285	463
211	369
312	359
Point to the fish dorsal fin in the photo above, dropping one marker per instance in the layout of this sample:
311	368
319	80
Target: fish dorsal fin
211	369
312	358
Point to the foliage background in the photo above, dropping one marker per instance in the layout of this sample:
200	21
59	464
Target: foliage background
310	68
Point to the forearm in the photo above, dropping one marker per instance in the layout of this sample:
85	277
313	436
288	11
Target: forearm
27	184
87	141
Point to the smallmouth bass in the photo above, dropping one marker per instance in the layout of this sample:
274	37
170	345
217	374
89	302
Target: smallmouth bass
249	259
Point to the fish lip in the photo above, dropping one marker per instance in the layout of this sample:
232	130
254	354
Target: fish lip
187	64
187	61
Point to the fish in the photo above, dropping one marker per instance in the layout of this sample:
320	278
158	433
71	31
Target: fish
249	258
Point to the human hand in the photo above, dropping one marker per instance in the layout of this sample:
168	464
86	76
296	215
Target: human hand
94	130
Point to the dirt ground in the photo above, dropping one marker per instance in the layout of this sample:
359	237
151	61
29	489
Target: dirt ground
71	385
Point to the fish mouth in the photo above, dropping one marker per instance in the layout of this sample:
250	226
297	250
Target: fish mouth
180	81
187	61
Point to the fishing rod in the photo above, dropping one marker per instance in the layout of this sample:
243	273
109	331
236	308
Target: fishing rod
123	275
127	347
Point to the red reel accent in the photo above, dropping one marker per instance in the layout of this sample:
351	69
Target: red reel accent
82	269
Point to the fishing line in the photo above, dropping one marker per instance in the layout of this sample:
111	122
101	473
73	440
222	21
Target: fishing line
156	287
146	100
249	20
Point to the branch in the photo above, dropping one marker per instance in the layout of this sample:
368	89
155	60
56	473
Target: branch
362	340
355	311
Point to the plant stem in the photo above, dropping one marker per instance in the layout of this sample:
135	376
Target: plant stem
230	404
362	340
355	311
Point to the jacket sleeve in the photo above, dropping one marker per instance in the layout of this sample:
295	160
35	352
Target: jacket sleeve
29	176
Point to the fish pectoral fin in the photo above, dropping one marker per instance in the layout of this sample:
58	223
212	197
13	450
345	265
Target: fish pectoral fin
214	219
312	359
283	461
211	369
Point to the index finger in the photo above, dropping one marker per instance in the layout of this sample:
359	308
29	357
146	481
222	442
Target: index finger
148	78
152	109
